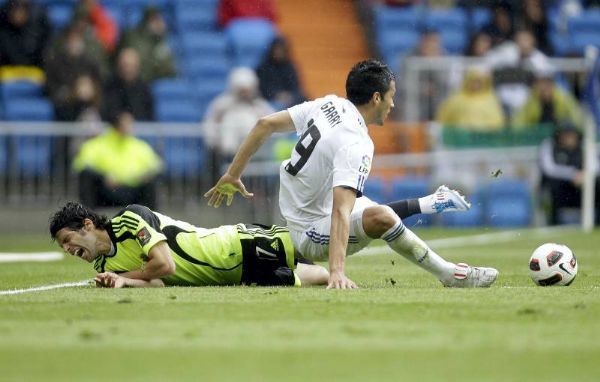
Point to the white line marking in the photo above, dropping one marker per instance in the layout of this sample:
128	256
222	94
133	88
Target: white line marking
46	287
470	240
9	257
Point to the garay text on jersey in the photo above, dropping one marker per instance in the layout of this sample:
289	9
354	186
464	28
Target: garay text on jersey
331	114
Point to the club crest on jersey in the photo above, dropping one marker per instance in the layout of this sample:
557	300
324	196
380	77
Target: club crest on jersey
143	236
365	165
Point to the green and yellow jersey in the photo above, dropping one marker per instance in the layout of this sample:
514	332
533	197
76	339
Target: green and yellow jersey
227	255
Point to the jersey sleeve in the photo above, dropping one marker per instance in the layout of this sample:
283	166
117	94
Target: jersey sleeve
142	224
299	114
351	167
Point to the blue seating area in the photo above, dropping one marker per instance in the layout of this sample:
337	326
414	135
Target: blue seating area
501	203
398	29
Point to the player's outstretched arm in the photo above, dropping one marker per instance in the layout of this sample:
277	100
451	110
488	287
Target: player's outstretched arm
113	280
160	264
343	202
230	183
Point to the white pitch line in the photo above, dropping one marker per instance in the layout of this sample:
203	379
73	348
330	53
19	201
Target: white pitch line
45	287
10	257
469	240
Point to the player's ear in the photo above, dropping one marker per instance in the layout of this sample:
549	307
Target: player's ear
88	225
376	98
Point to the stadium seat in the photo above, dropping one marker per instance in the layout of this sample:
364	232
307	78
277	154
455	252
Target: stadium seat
177	111
28	109
588	21
206	68
183	156
118	14
195	16
479	18
33	155
412	187
206	44
3	155
171	89
508	203
249	40
19	89
581	39
60	13
375	189
452	27
393	44
397	19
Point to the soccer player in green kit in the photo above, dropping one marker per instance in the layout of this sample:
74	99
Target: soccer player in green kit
143	248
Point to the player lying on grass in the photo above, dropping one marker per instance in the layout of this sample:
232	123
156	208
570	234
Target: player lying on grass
321	185
142	248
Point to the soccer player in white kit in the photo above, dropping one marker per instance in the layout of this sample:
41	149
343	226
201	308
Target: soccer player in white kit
322	183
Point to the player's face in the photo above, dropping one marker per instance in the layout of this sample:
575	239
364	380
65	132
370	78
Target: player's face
386	104
81	243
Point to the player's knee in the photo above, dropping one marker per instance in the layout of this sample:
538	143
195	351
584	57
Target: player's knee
378	219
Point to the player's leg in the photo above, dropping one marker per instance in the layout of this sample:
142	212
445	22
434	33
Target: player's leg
381	222
312	274
443	199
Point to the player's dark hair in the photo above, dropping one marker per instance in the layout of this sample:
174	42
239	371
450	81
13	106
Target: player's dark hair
366	78
71	216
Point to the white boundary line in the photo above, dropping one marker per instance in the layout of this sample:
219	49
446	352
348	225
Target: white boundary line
45	287
10	257
471	240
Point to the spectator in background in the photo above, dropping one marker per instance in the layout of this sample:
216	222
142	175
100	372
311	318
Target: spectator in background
116	169
513	64
72	75
149	39
127	91
548	103
500	28
229	10
533	17
278	78
561	164
474	106
231	116
24	33
105	28
431	83
479	45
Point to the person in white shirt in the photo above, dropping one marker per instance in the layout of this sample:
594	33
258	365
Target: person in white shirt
322	183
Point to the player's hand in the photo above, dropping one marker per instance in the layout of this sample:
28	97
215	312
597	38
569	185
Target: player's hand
109	280
337	280
226	187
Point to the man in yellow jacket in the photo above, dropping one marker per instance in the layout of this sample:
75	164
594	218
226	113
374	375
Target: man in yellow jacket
116	168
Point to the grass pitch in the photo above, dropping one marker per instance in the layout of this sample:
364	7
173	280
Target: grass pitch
400	326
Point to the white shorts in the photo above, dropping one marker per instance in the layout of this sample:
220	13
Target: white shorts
313	240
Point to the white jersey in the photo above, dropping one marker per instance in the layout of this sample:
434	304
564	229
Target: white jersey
334	150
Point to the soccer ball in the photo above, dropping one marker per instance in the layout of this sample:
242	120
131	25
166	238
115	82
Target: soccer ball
553	264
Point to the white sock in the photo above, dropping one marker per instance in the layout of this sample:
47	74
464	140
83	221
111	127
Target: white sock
426	204
410	246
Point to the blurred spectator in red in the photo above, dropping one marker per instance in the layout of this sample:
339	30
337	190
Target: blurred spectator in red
149	39
474	106
278	79
116	169
533	16
127	91
231	116
24	33
72	75
479	45
106	29
548	103
431	82
514	63
500	28
234	9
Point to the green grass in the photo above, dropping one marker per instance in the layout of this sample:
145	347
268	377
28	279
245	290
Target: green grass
400	326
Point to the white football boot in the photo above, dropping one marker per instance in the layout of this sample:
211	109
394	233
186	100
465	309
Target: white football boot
445	199
471	277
